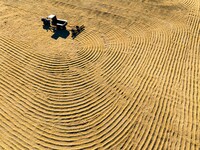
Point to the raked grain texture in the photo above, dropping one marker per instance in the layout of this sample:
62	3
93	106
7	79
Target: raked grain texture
131	80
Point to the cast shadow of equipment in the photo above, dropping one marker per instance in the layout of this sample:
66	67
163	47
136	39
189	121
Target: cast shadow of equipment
64	33
57	33
60	33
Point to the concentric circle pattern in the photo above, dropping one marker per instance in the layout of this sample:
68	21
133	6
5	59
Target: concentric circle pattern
131	80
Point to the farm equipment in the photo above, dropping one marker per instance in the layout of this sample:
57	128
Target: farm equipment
53	23
77	30
57	25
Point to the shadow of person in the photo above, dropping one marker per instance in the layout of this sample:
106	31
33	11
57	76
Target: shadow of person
46	27
60	33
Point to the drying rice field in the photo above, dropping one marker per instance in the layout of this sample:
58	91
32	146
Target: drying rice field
131	80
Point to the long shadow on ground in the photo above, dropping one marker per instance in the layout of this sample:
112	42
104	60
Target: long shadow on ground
57	33
60	33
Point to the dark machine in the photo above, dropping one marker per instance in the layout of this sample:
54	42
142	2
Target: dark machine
57	25
77	30
53	23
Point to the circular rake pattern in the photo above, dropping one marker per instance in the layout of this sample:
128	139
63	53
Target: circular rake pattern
115	88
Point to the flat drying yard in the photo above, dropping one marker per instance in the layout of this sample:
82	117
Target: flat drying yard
130	80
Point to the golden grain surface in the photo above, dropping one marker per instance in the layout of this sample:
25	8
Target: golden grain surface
131	80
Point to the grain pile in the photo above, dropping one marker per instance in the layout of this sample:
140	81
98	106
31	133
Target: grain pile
131	80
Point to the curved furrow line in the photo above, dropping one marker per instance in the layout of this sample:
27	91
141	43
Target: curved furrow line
112	52
40	102
63	114
130	81
64	4
23	59
159	105
150	130
50	69
48	80
46	85
134	107
22	50
183	55
6	16
40	58
182	46
154	54
193	22
191	4
90	49
176	36
192	81
47	136
11	144
20	133
109	126
110	65
19	79
172	77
